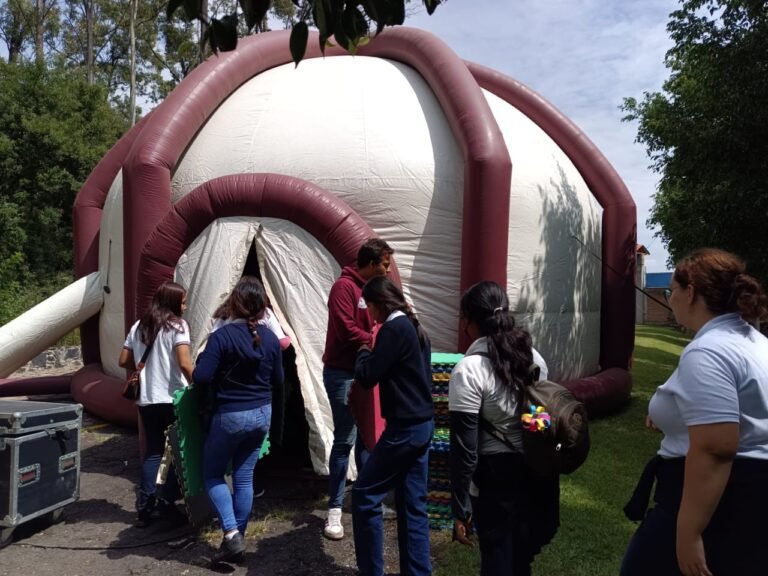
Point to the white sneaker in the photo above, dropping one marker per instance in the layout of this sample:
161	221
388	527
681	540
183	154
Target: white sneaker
333	529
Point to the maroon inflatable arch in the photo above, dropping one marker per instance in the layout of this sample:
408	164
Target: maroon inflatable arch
328	218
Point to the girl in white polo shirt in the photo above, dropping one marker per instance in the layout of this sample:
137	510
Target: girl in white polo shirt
168	368
711	471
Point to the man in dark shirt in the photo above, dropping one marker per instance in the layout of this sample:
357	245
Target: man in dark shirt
349	327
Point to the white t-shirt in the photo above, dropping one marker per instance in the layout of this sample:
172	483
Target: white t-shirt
269	320
474	389
722	376
161	375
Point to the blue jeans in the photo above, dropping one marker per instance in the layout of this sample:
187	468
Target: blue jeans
155	418
236	437
337	384
399	461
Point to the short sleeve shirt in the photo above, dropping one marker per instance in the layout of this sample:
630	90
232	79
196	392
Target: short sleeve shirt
270	321
475	389
161	376
722	376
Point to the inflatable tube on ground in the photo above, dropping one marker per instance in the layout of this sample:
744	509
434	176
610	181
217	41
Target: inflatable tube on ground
39	328
101	396
604	392
35	386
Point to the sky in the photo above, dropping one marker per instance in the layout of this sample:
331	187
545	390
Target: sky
585	57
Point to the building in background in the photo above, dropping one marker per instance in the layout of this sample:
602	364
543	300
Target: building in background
655	284
640	307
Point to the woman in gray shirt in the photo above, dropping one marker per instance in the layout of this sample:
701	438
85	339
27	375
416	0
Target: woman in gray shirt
490	482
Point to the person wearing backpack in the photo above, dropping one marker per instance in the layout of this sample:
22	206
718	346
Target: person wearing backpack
711	470
492	487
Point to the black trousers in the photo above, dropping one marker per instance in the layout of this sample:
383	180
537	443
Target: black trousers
735	542
515	514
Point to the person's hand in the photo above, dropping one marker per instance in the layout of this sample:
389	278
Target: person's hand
462	530
649	423
690	556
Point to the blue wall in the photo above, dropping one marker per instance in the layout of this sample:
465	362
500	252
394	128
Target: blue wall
658	279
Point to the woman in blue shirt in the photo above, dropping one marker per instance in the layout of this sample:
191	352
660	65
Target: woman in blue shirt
400	363
242	362
711	501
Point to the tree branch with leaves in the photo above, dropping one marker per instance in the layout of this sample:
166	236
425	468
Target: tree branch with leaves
350	23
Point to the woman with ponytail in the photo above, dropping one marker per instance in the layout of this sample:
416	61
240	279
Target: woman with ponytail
242	364
515	515
400	363
711	470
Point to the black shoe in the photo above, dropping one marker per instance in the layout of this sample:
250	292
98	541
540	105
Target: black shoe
146	517
231	550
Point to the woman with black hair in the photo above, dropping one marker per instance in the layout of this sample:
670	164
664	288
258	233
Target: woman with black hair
242	362
400	363
168	368
515	514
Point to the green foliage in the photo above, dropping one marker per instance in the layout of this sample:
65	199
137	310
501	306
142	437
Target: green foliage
349	22
53	130
707	131
594	532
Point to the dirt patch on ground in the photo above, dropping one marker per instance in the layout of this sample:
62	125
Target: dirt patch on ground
96	534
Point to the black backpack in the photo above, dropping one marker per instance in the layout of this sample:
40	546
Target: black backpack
564	446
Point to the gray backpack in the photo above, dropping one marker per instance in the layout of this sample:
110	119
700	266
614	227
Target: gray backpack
564	446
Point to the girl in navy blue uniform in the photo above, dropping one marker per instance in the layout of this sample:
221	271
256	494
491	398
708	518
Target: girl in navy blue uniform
400	363
242	361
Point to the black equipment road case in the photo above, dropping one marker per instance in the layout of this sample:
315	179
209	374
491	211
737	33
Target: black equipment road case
39	460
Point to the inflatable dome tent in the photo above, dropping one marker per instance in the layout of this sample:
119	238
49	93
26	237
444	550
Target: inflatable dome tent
468	174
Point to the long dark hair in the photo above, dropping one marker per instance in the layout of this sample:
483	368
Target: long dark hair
722	281
164	312
382	291
248	300
509	346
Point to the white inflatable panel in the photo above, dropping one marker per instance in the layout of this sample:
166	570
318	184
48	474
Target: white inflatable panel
112	329
553	282
381	143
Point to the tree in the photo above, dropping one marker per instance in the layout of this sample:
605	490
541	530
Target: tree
16	18
349	22
25	23
54	128
707	131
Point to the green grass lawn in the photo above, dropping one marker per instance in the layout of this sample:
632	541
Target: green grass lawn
594	532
